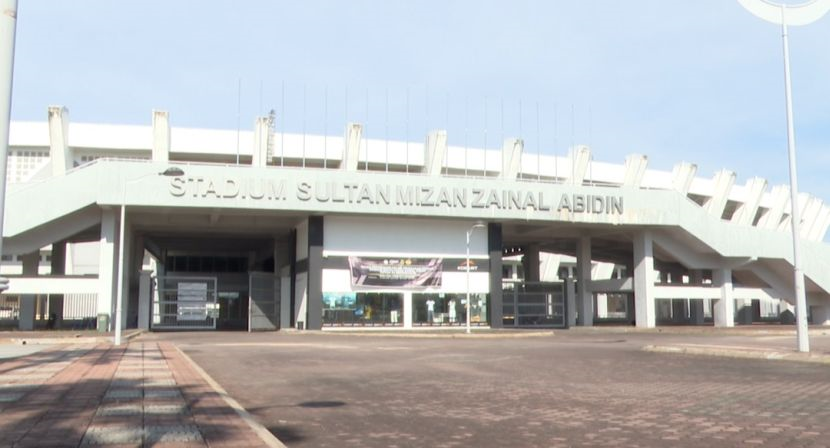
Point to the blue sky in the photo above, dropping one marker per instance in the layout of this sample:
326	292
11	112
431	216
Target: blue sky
698	81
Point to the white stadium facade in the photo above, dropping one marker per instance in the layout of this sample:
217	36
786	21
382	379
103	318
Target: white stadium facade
262	230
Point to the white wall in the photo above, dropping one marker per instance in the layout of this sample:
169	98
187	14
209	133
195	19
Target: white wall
376	236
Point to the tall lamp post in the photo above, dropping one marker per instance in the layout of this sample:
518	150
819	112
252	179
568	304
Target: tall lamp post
8	23
119	293
795	15
467	265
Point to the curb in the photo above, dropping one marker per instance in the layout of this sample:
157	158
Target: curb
74	340
266	436
447	335
770	330
739	352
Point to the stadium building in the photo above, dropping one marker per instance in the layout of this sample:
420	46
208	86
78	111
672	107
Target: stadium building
263	230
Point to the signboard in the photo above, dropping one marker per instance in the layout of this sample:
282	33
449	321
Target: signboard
412	273
192	301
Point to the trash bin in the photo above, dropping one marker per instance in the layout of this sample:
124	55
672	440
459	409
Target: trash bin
103	322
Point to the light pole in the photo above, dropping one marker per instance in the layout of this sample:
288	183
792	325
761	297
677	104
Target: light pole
119	293
784	15
467	265
8	23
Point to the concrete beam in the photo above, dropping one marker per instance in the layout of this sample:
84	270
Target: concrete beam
819	228
52	231
262	128
635	169
682	176
812	210
784	289
434	151
613	285
779	199
351	148
723	182
786	223
161	136
580	157
685	256
511	158
59	152
745	214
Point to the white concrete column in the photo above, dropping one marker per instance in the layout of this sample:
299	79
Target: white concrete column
161	136
725	306
59	153
106	264
723	182
585	299
644	280
579	157
635	169
127	271
434	151
407	309
682	176
351	147
511	158
261	130
145	292
821	314
28	302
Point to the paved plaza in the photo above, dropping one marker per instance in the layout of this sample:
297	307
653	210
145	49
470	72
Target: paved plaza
577	388
568	388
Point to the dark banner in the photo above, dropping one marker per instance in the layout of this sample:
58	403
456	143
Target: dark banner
396	272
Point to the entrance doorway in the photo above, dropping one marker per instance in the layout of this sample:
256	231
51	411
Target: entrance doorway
534	304
184	303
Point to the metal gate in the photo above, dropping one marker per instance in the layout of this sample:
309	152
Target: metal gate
263	301
534	304
185	303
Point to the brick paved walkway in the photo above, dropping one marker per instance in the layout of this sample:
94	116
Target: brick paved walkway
146	394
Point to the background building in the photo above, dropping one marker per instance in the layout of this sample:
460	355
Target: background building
266	230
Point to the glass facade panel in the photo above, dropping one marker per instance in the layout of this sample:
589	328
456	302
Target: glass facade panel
448	309
362	309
